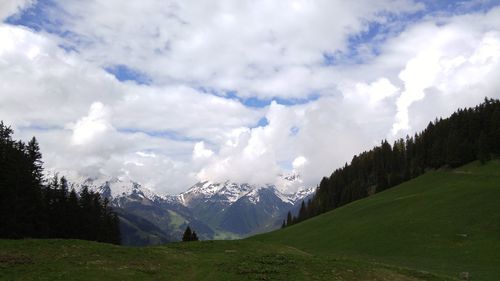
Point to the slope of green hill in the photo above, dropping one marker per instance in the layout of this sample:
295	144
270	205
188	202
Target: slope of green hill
446	222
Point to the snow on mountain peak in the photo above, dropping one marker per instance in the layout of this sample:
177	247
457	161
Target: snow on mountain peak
227	192
116	187
301	194
230	192
289	190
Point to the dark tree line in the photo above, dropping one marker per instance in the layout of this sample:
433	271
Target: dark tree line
467	135
31	207
189	235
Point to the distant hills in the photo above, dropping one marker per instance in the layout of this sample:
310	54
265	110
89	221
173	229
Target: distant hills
225	210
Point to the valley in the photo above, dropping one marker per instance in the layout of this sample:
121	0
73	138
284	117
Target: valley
442	225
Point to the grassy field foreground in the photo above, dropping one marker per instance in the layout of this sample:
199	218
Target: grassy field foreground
217	260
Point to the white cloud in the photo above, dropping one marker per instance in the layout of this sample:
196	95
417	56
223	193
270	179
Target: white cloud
252	155
91	126
181	109
457	59
169	134
263	48
372	93
200	151
11	7
299	162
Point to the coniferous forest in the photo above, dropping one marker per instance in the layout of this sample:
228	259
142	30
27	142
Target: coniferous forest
467	135
32	207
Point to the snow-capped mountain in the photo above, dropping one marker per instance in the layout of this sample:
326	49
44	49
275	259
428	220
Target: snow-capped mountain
224	193
301	194
211	208
118	190
229	192
242	209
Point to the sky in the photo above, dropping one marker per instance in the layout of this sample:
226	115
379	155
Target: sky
168	93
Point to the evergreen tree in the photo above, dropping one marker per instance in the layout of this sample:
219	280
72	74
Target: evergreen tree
289	219
302	212
483	151
35	158
187	235
194	237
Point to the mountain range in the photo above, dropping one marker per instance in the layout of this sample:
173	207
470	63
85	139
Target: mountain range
215	210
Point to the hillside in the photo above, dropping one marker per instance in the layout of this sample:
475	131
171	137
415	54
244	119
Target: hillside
446	222
467	135
431	228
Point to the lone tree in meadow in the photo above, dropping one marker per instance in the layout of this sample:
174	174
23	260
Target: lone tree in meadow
189	235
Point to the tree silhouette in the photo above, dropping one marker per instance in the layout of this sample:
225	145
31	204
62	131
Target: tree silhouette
31	207
189	235
194	237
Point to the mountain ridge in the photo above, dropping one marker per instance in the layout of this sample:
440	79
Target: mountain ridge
230	192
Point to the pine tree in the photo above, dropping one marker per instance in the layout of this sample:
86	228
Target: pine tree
289	219
115	229
35	157
483	151
302	212
187	234
73	215
194	237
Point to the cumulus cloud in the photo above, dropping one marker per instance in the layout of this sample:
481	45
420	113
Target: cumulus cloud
419	78
255	47
92	126
456	61
299	162
183	125
200	151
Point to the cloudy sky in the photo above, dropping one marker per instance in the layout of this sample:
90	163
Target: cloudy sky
168	92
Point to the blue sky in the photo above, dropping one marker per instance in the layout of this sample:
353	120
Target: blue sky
124	73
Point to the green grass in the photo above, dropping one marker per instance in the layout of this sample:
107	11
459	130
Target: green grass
446	222
431	228
210	260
